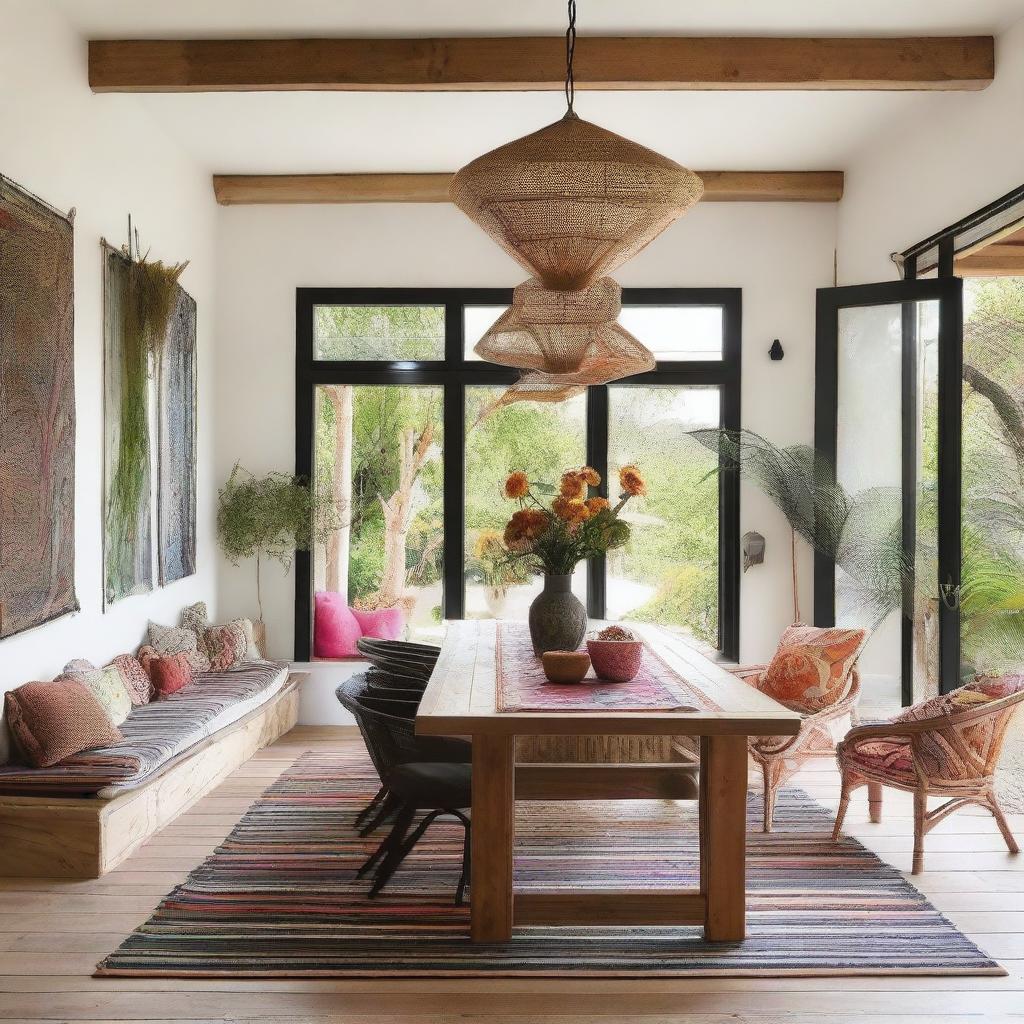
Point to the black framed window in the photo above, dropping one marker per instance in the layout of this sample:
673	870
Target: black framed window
387	383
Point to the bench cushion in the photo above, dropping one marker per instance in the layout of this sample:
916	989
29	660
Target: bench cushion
153	734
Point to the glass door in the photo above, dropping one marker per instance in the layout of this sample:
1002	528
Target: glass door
888	416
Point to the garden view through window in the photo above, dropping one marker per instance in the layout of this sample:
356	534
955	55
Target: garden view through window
381	439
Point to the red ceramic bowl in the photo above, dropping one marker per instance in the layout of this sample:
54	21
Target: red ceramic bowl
616	661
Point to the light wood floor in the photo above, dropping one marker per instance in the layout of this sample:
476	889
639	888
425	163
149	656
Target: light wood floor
53	933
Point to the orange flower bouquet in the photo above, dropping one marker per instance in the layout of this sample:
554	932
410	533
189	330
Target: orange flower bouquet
556	537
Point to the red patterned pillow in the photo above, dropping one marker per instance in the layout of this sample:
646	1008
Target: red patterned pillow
135	678
227	645
52	721
170	673
811	668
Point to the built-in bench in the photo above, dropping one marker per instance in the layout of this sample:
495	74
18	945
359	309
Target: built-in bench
85	836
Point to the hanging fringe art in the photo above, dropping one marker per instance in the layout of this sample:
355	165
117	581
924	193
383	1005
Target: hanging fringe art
140	297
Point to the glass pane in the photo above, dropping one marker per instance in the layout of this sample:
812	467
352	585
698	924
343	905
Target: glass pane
668	571
869	467
392	333
992	583
477	320
676	332
670	332
543	440
380	451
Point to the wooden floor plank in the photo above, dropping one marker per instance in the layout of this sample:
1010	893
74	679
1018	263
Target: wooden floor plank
52	932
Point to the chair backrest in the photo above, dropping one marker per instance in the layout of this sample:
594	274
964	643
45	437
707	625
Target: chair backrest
966	745
397	657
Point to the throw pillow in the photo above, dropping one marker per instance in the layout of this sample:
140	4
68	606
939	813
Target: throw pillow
52	721
227	645
196	618
135	678
176	640
811	667
980	690
107	686
381	623
335	627
146	653
77	665
170	673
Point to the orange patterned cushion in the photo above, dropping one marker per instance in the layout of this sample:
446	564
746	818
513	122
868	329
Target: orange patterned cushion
811	668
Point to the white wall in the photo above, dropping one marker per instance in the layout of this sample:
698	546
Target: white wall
954	153
777	253
106	157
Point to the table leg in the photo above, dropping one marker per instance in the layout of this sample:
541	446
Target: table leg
493	832
723	834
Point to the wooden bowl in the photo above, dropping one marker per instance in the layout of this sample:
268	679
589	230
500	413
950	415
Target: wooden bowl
616	661
565	666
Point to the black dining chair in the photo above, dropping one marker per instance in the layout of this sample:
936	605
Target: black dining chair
356	696
417	773
417	781
399	658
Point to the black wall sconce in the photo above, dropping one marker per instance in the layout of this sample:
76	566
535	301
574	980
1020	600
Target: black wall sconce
775	352
753	549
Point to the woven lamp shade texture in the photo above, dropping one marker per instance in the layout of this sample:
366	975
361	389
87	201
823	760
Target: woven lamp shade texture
572	338
573	201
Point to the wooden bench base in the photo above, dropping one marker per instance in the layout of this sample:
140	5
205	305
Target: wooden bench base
84	837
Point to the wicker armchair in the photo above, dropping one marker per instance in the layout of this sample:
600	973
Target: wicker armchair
781	757
948	755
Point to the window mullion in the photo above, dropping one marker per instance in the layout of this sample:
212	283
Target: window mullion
597	456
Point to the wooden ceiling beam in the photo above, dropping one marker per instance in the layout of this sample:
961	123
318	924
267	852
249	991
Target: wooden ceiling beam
1000	259
538	63
719	187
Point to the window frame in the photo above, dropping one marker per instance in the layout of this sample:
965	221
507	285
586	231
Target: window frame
454	373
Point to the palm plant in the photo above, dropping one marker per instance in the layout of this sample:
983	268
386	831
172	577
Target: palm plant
861	533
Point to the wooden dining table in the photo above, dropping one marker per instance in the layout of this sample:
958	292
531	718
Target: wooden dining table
465	698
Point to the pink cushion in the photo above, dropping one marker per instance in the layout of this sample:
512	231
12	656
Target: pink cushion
381	623
335	627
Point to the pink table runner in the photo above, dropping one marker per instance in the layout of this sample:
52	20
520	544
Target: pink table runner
522	685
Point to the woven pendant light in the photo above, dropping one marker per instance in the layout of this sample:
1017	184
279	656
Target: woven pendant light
571	336
573	201
570	202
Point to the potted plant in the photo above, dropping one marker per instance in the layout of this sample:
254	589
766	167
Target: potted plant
555	538
493	567
273	515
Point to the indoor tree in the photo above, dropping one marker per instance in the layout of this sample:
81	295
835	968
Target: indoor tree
272	515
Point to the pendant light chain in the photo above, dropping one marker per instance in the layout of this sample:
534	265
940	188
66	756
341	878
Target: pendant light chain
570	47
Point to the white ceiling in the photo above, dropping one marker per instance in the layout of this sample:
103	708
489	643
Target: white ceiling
324	132
198	18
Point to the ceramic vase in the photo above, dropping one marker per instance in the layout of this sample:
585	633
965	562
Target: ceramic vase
558	620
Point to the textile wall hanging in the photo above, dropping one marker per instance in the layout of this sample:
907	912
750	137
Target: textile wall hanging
146	315
37	412
176	477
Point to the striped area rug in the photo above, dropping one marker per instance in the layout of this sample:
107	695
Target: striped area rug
280	897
